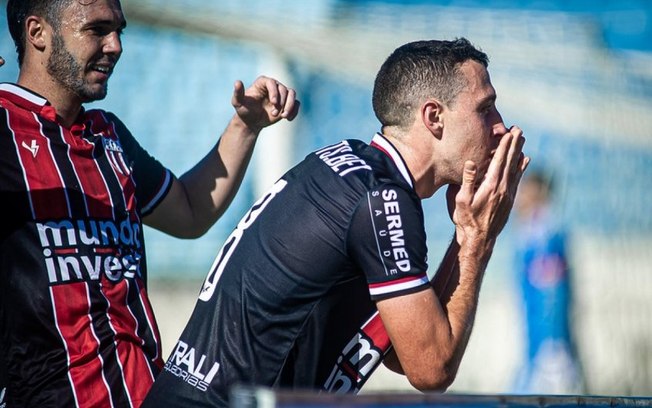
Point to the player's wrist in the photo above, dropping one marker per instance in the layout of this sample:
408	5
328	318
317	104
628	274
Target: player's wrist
243	128
474	243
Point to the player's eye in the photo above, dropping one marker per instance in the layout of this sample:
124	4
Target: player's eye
486	109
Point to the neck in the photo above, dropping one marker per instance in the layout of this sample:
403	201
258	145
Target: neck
66	104
417	152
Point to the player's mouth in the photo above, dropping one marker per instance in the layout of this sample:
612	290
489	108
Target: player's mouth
104	70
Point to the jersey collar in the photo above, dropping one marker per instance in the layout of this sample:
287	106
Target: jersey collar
382	144
27	99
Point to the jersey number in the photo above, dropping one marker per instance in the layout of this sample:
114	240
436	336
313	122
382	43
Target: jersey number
232	241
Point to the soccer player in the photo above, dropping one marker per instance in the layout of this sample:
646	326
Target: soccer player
551	363
326	275
76	326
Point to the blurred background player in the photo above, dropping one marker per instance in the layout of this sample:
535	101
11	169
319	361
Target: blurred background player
550	364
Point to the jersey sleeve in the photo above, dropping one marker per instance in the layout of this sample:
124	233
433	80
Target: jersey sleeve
387	240
153	180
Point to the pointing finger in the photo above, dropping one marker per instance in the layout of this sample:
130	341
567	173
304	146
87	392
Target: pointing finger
238	94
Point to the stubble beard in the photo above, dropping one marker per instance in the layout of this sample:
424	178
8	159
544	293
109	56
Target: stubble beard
63	67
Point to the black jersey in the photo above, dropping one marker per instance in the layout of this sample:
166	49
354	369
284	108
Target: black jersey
289	300
76	326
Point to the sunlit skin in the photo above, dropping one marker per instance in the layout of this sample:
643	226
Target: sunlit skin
443	137
67	53
97	48
79	56
466	146
69	63
472	126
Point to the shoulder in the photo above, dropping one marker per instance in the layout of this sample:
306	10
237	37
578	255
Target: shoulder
388	206
344	157
5	103
391	204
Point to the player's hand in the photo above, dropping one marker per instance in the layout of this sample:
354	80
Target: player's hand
480	208
264	103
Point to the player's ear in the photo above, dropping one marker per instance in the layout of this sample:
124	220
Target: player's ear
37	31
431	116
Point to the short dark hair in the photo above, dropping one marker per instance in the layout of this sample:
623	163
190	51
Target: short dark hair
417	71
19	10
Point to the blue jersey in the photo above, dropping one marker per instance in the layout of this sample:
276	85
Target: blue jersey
551	364
544	273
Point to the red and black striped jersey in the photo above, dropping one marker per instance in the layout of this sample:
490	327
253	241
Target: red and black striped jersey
290	299
76	325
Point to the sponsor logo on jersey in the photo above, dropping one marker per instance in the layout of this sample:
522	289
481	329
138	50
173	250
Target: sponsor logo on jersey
359	358
389	230
116	249
191	367
340	159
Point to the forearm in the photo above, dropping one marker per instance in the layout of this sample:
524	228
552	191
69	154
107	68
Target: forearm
431	338
447	274
460	297
430	352
200	196
457	286
211	185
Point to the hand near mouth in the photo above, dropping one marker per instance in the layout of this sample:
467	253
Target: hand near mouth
480	207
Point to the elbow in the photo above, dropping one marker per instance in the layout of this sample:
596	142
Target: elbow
185	234
192	230
435	379
194	233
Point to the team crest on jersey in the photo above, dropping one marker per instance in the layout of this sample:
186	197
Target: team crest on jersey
115	154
